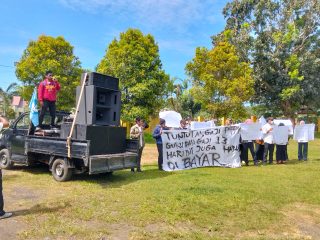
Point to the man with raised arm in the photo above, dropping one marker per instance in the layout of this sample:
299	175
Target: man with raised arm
47	95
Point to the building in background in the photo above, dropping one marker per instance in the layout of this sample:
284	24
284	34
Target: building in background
19	105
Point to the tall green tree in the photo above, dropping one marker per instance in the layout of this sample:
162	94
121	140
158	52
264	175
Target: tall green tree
281	38
134	59
181	99
221	81
55	54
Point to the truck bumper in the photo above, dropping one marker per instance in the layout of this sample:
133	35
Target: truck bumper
112	162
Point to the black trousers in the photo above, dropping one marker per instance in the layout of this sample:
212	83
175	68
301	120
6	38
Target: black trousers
268	148
160	156
1	196
52	109
259	153
244	152
281	153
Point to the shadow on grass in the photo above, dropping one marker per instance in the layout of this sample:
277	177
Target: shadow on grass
120	178
115	179
40	168
38	209
296	161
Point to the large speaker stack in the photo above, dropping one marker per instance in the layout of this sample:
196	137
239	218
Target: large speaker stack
101	100
98	118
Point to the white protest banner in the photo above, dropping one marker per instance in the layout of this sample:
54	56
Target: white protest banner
250	131
311	129
185	149
286	122
280	134
304	133
262	120
200	125
172	118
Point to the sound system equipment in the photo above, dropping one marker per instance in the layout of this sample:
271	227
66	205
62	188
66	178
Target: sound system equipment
103	139
98	117
99	106
101	80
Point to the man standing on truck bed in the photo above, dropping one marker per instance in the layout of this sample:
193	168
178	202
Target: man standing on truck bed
47	94
3	123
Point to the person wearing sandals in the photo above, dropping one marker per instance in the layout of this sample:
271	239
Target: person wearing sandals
3	124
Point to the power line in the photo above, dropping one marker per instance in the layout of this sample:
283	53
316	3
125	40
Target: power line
6	66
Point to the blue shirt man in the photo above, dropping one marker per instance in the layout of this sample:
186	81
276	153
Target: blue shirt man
157	136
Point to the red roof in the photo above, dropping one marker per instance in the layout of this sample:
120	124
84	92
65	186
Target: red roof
16	101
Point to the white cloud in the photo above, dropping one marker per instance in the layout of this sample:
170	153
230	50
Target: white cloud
183	46
172	14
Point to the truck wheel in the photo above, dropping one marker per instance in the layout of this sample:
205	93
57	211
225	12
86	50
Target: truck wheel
5	161
60	170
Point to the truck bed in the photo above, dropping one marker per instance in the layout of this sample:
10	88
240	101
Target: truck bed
98	163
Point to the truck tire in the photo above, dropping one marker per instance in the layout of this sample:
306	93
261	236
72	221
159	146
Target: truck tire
5	161
60	171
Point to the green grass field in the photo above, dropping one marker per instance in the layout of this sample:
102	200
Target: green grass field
270	202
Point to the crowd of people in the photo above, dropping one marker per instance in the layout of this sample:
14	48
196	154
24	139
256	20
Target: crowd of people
261	149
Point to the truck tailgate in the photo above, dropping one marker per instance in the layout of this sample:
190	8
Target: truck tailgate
112	162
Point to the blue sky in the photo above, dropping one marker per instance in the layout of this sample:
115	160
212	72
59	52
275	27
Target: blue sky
179	26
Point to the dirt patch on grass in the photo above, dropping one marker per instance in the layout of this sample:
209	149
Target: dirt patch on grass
149	154
10	227
304	220
300	221
18	200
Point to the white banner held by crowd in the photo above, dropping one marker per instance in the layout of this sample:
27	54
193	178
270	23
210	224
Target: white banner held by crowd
172	118
304	133
200	125
286	122
185	149
280	134
250	131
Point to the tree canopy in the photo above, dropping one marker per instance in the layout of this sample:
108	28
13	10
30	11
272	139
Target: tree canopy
134	59
281	39
221	81
181	99
55	54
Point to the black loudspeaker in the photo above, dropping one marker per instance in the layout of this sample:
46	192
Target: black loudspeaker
103	139
101	80
99	106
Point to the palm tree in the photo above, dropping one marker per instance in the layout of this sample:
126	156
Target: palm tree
7	95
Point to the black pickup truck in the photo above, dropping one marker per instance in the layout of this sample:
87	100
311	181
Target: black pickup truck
18	146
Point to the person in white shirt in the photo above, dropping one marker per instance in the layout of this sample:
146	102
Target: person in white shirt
302	147
3	124
267	131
